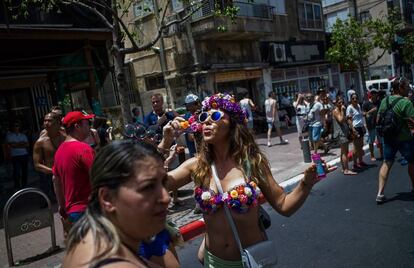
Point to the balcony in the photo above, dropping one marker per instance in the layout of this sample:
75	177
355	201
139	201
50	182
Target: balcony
407	12
252	21
183	61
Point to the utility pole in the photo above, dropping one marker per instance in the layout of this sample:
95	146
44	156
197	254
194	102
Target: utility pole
355	10
361	73
161	54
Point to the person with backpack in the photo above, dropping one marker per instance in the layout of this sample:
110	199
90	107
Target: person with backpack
395	122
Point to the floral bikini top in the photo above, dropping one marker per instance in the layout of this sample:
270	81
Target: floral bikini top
239	199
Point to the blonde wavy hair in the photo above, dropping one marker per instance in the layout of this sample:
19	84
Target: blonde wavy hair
244	151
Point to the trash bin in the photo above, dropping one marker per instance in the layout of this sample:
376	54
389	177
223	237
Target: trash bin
306	150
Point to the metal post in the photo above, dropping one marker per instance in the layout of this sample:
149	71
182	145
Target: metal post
392	64
306	150
163	63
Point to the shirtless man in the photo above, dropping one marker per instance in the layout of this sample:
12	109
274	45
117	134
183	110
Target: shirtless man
44	151
58	111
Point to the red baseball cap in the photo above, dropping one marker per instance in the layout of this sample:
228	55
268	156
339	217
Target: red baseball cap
75	117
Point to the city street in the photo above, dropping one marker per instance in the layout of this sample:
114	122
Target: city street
101	101
340	225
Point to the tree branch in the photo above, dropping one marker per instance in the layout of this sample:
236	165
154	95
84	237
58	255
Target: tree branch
159	33
378	58
116	17
94	10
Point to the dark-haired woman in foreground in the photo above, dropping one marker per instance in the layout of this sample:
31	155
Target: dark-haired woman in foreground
128	204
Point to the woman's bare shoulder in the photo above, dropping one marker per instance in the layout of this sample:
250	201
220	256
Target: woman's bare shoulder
191	163
81	254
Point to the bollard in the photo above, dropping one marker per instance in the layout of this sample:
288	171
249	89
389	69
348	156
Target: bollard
306	151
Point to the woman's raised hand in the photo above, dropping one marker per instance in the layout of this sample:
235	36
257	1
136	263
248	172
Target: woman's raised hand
173	128
310	176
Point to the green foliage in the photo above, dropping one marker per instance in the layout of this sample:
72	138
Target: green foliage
408	48
349	43
353	41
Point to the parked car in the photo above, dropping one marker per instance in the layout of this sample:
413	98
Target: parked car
380	84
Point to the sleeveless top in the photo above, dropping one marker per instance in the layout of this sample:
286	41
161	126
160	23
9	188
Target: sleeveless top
340	131
244	104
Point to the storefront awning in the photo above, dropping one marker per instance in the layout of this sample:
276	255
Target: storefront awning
237	75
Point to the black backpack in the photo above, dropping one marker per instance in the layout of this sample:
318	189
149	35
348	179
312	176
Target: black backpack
388	123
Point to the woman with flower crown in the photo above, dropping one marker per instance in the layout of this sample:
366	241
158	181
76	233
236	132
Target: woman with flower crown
244	174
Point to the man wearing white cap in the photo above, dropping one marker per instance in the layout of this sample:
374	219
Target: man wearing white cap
192	104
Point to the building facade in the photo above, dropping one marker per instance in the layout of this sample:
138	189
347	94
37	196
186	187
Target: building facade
269	45
389	64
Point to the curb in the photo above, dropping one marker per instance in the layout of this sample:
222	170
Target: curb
198	227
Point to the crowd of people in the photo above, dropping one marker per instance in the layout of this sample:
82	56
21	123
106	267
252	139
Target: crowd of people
113	196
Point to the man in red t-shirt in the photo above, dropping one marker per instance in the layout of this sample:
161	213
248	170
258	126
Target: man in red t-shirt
73	161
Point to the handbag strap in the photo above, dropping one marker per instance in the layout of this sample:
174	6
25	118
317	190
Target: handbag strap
226	209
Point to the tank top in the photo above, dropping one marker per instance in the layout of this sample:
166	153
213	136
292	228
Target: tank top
244	104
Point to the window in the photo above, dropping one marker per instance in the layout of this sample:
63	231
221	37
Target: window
177	5
154	82
331	18
143	8
326	3
364	15
310	16
279	6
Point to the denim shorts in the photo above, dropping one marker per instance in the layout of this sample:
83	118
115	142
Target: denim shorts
372	135
270	124
250	124
315	133
406	149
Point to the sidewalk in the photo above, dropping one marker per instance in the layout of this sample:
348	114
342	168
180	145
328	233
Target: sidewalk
286	162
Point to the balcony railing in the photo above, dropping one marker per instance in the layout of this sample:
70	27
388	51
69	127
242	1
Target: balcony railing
310	24
250	10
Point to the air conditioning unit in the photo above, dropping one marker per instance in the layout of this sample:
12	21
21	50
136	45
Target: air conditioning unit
278	52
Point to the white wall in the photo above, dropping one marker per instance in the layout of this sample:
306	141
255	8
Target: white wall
331	18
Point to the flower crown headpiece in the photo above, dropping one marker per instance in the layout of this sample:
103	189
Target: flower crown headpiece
226	103
221	101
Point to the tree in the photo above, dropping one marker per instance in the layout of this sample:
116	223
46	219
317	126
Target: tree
408	49
110	12
352	41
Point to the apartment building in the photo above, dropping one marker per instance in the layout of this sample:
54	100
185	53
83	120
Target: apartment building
389	64
270	45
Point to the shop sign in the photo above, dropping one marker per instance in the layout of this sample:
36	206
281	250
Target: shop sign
237	75
41	101
253	74
278	75
291	73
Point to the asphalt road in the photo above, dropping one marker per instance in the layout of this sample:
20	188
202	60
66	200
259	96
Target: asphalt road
340	225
